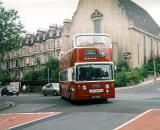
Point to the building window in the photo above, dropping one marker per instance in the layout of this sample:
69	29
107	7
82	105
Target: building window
97	26
16	63
144	44
38	47
33	61
138	53
38	60
96	17
8	64
58	44
151	47
50	44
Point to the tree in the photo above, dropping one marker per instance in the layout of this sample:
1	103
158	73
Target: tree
42	75
33	75
5	79
53	65
10	30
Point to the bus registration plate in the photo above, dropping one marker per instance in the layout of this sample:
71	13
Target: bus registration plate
96	90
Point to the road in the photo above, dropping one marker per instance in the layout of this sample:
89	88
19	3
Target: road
86	115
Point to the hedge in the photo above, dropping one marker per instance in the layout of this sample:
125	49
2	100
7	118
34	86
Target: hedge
36	82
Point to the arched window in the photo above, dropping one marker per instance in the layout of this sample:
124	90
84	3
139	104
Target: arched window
96	17
97	26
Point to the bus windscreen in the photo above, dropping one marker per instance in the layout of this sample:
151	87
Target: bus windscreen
94	72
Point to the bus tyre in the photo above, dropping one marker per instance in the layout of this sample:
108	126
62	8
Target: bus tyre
62	97
105	100
69	94
44	93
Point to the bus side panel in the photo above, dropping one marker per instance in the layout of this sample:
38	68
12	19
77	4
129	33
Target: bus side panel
64	86
67	61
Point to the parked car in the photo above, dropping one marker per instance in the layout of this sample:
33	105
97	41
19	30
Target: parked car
9	90
51	88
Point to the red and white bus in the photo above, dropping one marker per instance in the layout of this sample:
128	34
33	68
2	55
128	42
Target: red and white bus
86	71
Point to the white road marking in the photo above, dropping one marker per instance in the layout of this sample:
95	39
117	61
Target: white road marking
30	113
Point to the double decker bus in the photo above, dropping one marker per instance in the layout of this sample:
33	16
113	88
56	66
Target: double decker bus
86	71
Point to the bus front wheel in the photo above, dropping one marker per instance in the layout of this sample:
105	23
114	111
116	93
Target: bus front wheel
69	94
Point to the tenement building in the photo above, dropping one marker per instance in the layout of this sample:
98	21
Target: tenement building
134	33
34	51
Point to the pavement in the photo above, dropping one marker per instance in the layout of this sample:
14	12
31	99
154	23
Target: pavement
5	105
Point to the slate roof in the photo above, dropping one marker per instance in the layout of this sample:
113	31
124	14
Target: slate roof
141	19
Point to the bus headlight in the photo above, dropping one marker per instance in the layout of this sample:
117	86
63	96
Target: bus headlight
107	91
107	86
84	87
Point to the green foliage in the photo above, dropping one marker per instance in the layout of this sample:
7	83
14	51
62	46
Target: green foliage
120	79
53	65
33	75
125	76
42	75
149	66
5	79
133	76
122	65
10	30
41	82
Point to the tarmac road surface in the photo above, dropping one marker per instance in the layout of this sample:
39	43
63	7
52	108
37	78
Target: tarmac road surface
91	115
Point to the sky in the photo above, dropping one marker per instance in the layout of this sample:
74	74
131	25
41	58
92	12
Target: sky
40	14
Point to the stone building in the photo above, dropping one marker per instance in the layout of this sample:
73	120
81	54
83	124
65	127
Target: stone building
34	51
133	31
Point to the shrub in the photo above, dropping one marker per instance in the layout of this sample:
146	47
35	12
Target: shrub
33	75
122	65
124	76
120	79
5	79
41	82
133	77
